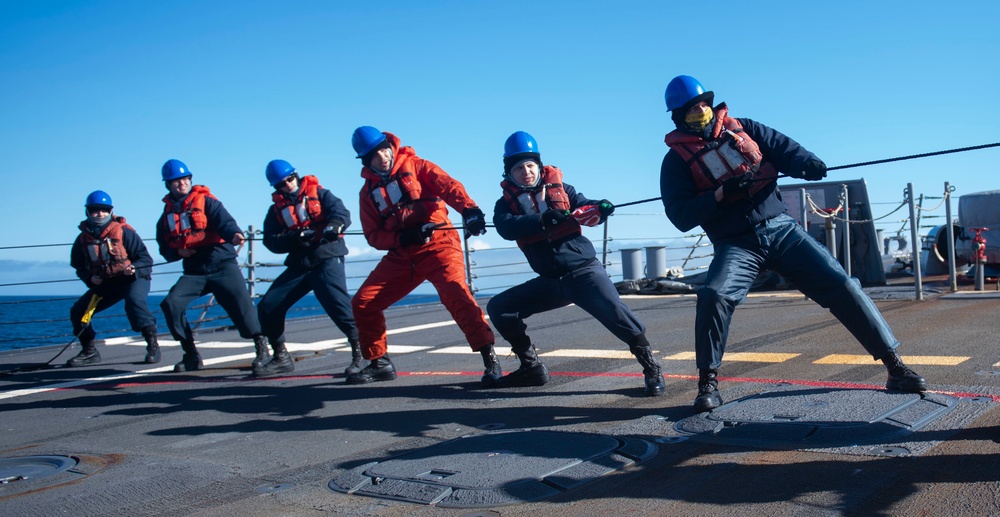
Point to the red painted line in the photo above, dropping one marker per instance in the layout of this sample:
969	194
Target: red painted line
795	382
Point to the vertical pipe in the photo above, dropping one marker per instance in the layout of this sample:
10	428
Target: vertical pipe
251	279
604	248
916	247
952	275
468	265
847	229
805	211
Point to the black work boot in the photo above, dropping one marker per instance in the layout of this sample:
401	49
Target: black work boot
654	383
708	391
379	369
191	360
356	359
901	377
280	363
491	376
531	372
260	348
152	346
89	355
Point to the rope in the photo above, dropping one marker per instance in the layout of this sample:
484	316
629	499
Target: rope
914	156
853	165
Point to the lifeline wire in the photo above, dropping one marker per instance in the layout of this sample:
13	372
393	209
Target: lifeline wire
860	164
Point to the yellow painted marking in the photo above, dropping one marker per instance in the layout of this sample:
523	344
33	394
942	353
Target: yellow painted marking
745	357
924	360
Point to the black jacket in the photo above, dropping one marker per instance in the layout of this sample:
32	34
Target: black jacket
207	259
688	207
278	240
548	259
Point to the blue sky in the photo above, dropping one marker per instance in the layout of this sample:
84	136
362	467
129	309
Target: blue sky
97	95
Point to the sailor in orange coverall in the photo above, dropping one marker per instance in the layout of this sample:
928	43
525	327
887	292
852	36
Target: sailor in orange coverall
404	211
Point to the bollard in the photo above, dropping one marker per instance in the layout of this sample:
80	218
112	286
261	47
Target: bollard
979	248
656	262
631	264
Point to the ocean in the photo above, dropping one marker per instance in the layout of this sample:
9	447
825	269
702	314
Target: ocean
33	321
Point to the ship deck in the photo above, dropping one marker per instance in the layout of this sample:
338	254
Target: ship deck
808	427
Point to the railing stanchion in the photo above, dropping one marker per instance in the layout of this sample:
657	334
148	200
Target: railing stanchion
917	247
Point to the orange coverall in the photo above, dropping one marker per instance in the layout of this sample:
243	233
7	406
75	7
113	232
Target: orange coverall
427	191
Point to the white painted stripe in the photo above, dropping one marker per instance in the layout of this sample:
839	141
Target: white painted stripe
453	350
588	353
395	349
746	357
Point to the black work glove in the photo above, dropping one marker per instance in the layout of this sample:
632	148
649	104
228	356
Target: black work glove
332	233
814	170
417	235
474	221
737	185
606	208
306	237
552	217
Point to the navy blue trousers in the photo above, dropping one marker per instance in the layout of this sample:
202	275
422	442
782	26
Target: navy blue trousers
230	290
136	310
588	287
781	245
327	280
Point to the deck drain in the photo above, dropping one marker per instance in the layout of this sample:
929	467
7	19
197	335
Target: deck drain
25	474
13	470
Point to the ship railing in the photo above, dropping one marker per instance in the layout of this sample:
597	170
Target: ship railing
489	270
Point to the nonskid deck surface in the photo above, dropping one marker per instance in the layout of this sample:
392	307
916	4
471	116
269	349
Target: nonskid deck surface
807	426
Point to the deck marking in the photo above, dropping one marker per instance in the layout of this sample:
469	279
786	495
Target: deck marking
589	353
396	349
924	360
746	357
191	380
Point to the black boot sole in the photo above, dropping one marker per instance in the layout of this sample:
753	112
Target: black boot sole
707	402
366	379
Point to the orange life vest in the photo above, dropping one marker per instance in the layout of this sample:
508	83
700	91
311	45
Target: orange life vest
106	255
186	222
400	196
304	212
549	194
730	152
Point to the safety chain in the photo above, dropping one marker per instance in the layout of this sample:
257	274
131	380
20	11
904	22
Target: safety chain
822	213
945	198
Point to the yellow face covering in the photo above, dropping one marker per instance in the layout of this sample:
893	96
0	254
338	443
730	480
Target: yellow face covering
699	119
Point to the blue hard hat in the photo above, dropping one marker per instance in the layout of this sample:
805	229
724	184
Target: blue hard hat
519	143
278	170
365	139
174	169
98	198
683	89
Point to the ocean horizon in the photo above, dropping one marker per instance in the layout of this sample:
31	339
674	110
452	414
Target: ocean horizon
36	321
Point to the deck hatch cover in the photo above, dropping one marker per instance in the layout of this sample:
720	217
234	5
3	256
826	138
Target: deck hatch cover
495	469
804	417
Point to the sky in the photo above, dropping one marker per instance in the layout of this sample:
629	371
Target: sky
99	94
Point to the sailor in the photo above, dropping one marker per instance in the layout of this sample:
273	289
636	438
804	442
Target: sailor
307	222
719	173
111	259
543	214
404	211
196	229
